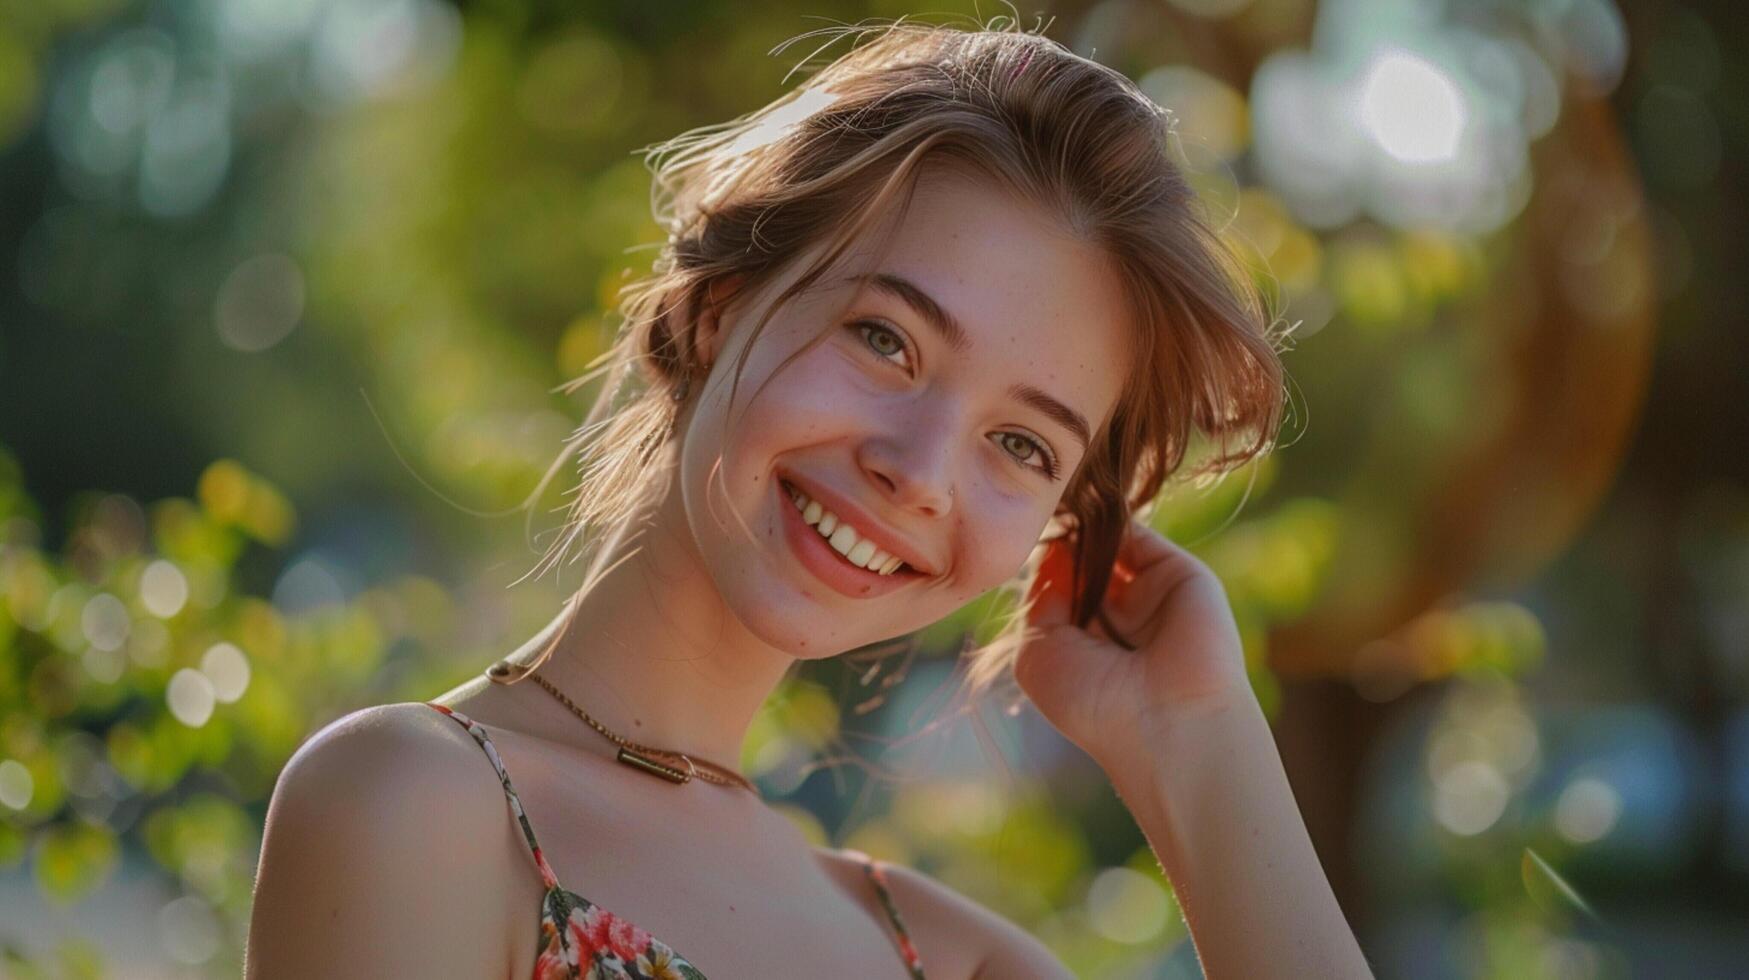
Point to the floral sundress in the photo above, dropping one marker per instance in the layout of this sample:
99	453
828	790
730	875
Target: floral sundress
580	940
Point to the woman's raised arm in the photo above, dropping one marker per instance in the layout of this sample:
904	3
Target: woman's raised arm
1175	725
1217	810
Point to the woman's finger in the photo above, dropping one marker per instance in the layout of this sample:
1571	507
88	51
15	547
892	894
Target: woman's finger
1142	548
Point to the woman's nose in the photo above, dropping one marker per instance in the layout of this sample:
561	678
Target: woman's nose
913	468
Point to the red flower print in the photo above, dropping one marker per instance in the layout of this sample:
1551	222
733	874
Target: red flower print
589	926
551	964
627	941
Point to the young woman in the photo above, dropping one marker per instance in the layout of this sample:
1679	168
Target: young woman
941	320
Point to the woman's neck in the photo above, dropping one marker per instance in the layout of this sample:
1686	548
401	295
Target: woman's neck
653	653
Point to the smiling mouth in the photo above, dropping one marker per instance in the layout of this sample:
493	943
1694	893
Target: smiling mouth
843	538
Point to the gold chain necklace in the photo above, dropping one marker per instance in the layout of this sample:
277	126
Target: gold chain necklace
647	757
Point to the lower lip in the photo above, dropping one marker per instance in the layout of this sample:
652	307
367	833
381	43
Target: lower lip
826	563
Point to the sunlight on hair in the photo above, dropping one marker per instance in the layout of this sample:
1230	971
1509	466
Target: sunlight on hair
781	119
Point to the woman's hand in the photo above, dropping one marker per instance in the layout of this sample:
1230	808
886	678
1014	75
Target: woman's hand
1175	725
1111	701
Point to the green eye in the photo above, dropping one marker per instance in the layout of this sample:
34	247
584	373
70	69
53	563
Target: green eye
887	335
880	338
1047	463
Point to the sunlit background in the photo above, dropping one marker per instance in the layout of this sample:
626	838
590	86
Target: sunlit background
286	287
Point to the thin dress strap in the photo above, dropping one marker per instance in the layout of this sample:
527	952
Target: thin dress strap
474	728
877	874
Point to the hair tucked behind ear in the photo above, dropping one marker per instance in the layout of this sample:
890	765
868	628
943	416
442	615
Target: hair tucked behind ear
743	200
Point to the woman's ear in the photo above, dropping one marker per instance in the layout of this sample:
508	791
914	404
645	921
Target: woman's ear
710	330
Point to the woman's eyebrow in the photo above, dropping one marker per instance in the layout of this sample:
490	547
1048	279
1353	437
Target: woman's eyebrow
1058	412
959	341
923	305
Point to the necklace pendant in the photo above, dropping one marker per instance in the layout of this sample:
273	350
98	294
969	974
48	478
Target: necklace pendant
651	766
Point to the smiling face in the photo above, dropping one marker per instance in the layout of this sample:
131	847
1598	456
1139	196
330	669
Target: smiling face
933	397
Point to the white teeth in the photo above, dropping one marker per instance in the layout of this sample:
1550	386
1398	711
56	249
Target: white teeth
843	538
861	552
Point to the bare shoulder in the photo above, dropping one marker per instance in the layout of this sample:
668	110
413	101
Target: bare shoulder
957	937
384	837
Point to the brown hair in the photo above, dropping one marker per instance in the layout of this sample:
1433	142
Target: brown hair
743	200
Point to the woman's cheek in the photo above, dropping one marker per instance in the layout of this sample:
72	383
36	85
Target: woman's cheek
823	391
998	536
